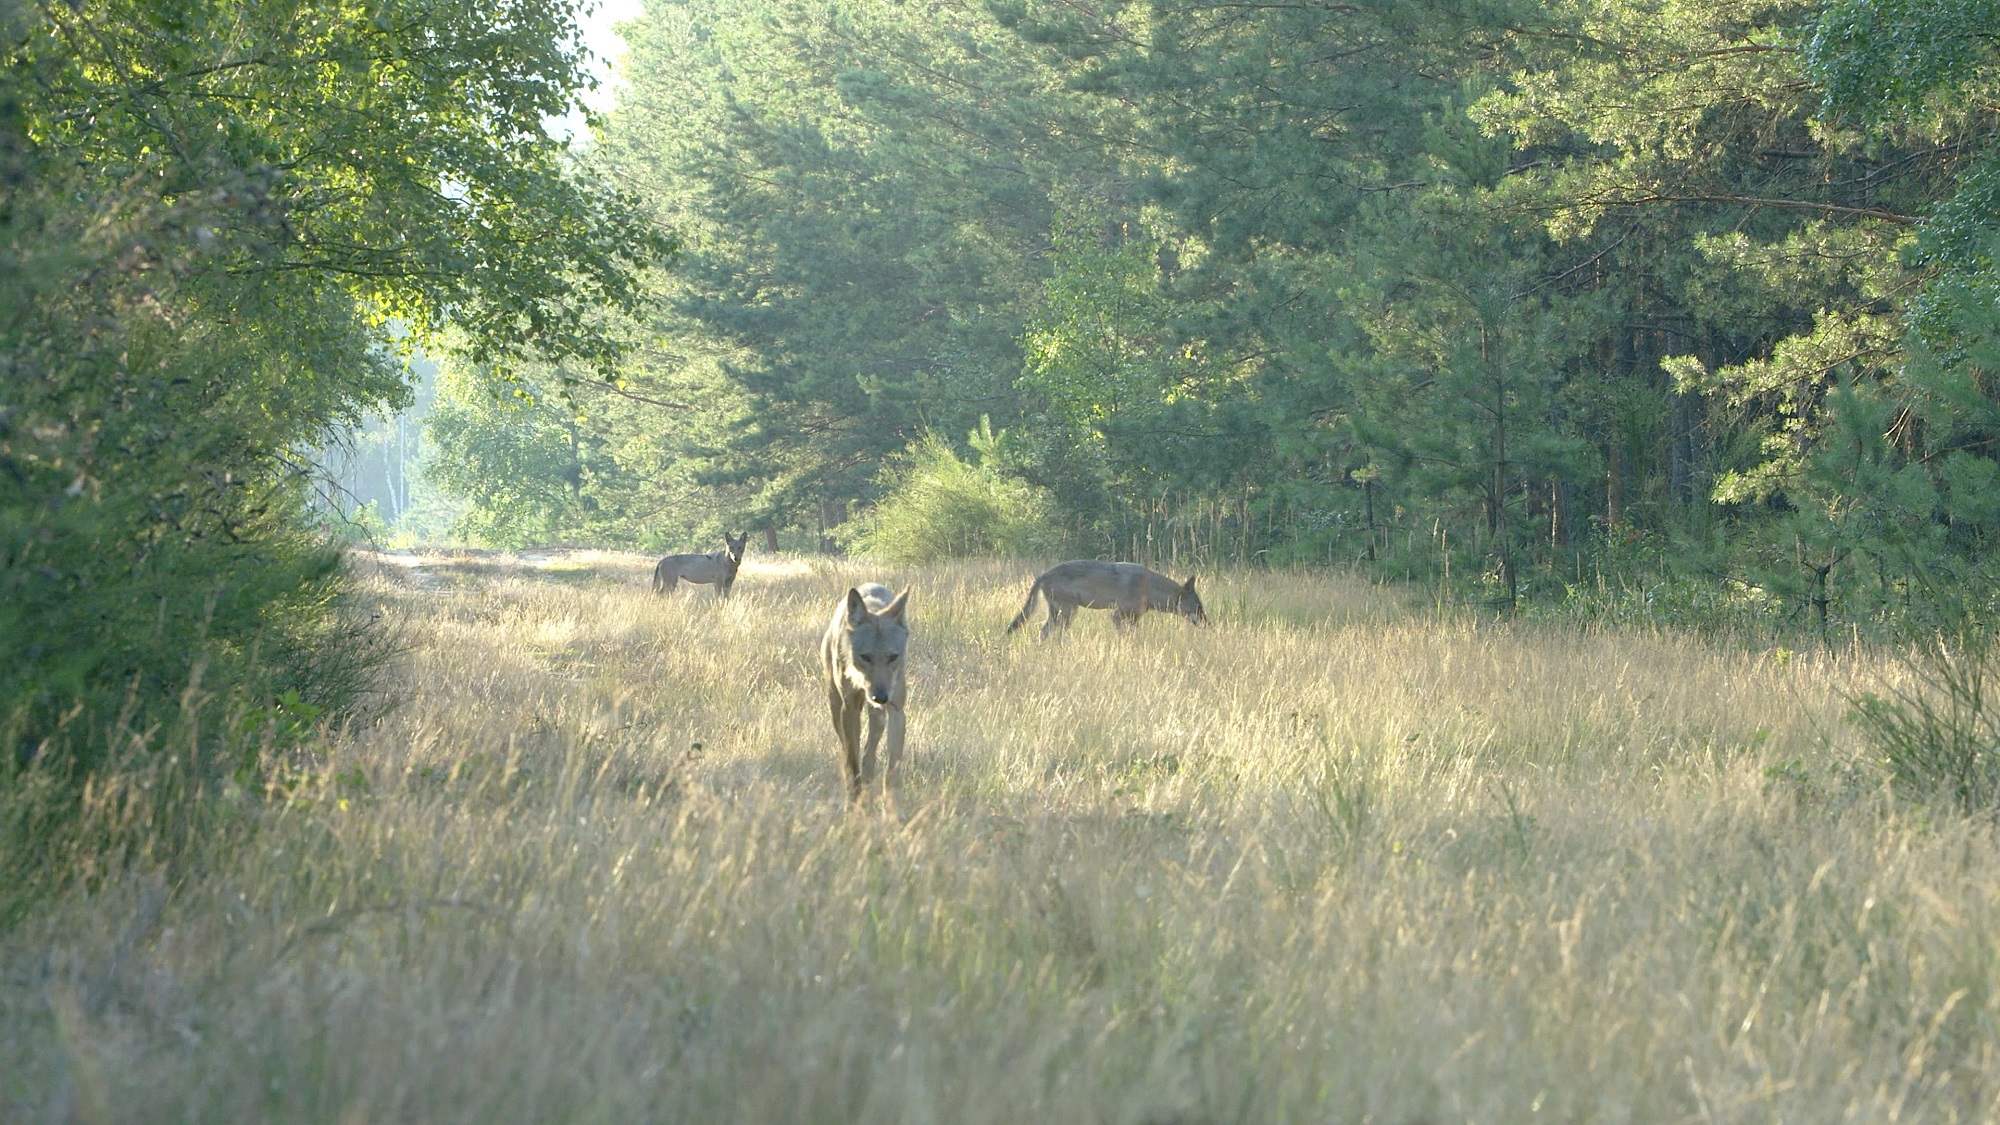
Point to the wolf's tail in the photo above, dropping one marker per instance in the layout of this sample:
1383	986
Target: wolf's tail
660	576
1021	618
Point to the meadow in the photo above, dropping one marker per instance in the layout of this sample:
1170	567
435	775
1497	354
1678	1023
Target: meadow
1336	858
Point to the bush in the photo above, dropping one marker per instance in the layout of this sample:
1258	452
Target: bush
1940	738
158	576
152	516
939	506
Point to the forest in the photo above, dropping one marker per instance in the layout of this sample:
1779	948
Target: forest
1558	304
1581	417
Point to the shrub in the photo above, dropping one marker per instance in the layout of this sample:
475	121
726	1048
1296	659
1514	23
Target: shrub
1940	737
937	505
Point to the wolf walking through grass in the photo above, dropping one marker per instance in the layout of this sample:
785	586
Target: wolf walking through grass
1127	589
866	657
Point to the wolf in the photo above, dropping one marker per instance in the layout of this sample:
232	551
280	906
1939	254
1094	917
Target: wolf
864	653
718	568
1127	589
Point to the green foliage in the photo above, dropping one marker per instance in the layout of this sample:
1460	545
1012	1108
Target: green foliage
1939	737
1882	60
1463	392
208	212
515	450
1099	346
1643	579
937	506
1123	407
869	184
150	514
375	474
399	151
1485	290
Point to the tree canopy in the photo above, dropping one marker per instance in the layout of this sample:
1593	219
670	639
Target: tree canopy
1539	302
1678	291
211	214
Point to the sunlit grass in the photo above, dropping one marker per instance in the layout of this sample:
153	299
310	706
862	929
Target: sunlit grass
1331	859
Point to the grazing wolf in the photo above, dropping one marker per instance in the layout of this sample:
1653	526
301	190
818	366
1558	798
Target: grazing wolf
1128	589
864	652
718	568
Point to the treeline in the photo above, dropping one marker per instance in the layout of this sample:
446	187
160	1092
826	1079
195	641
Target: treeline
209	212
1686	297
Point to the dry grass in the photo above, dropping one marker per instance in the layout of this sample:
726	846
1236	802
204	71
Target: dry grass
1329	860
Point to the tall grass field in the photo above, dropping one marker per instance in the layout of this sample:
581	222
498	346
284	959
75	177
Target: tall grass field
1336	858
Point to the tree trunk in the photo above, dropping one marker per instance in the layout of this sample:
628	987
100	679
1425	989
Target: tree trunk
1680	449
832	513
1368	508
1614	485
1562	517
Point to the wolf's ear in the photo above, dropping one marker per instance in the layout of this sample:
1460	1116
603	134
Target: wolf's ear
857	607
895	609
1190	584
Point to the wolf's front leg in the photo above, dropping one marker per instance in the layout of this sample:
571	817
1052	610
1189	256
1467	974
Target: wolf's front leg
875	727
895	751
847	725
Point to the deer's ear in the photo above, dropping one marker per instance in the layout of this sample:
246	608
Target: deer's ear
857	607
895	609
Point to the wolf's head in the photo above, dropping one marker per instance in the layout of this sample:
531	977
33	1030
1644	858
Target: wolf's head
1187	603
876	642
732	545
